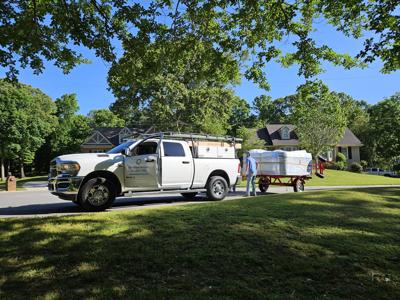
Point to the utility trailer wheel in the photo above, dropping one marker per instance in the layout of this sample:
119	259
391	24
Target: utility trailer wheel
298	185
263	186
189	195
217	188
97	194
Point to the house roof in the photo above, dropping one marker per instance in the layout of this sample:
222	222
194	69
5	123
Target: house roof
112	133
275	136
271	134
349	139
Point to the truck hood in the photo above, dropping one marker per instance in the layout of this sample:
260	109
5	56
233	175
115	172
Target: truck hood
90	162
84	156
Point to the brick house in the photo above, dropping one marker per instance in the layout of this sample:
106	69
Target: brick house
103	139
283	136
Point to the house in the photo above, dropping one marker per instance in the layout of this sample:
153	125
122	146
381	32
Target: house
103	139
283	136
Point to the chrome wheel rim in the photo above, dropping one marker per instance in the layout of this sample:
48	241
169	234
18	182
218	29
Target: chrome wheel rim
218	188
98	195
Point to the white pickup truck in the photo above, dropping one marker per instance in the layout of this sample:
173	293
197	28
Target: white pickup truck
94	180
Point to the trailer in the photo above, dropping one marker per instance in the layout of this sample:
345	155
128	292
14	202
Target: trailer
297	182
282	168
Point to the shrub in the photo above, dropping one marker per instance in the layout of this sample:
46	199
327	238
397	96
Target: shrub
341	161
341	165
340	157
356	167
364	164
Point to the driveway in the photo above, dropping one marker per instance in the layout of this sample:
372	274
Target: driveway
40	203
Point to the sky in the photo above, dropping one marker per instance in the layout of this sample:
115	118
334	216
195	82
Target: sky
89	81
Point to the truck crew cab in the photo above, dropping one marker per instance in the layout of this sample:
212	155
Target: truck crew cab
164	162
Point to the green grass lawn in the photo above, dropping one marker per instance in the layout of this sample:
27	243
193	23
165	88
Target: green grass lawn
326	244
334	177
341	178
21	181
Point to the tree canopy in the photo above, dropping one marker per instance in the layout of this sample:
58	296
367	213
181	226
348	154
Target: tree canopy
250	31
26	118
104	118
318	117
382	140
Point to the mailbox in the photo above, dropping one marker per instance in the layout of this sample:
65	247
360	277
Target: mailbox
11	183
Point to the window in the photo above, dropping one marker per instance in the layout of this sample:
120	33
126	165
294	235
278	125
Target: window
173	149
285	133
121	147
349	153
145	148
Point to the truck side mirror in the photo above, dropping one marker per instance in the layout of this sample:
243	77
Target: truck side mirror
123	151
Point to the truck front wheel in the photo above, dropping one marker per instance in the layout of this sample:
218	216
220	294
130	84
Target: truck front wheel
217	188
97	194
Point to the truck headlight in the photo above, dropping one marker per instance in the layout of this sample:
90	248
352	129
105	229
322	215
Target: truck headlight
70	168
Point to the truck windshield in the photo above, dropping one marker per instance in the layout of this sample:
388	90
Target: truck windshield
121	147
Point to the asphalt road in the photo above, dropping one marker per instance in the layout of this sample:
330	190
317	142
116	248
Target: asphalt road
40	203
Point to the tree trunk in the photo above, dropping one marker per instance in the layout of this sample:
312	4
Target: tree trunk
22	170
3	176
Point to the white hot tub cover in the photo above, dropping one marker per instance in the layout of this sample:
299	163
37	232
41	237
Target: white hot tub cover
283	163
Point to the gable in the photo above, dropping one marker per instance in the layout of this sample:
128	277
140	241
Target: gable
125	132
97	139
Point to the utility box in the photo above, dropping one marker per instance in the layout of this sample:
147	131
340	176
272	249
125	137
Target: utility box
11	183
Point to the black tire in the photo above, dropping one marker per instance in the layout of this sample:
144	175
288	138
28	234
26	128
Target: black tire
298	186
263	186
97	194
217	188
189	195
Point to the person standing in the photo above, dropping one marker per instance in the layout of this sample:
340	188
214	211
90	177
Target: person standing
251	172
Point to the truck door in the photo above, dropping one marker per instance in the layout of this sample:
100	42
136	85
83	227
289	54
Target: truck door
177	166
142	166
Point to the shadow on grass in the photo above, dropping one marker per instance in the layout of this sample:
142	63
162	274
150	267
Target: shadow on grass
68	207
323	244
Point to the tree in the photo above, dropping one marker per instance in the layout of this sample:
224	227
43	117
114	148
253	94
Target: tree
104	118
32	31
72	129
356	113
178	84
318	118
69	133
263	106
383	140
241	117
26	119
250	140
273	111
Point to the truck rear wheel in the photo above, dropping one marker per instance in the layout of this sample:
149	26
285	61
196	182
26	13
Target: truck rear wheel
97	194
217	188
189	195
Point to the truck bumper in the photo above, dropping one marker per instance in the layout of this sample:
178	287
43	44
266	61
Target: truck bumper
65	188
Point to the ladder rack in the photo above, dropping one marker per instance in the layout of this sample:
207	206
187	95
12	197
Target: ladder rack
193	137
